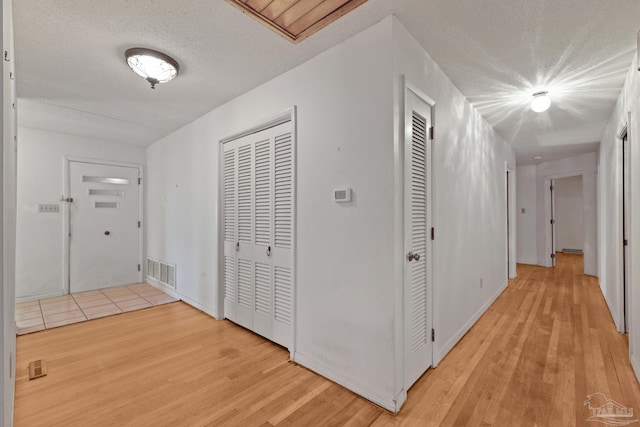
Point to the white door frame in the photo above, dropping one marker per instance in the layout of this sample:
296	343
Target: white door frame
625	221
287	115
66	217
400	235
510	222
547	211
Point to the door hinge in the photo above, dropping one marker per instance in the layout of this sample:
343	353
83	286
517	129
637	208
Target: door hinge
553	221
551	187
431	132
433	233
625	242
139	181
553	255
433	335
138	267
138	224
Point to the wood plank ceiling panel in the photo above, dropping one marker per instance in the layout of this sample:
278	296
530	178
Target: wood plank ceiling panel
296	20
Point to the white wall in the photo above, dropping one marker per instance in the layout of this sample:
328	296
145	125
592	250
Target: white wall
626	112
568	207
526	222
347	324
40	181
8	213
469	205
345	138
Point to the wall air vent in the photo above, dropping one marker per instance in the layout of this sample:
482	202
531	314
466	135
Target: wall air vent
162	272
572	251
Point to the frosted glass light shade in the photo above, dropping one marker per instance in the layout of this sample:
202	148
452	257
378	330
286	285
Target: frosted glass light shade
151	65
541	102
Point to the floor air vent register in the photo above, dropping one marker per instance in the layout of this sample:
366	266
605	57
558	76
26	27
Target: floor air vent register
162	272
37	369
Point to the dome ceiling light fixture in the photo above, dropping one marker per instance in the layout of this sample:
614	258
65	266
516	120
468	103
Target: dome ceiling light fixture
541	102
153	66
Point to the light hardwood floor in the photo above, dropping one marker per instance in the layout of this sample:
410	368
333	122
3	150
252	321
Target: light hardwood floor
532	359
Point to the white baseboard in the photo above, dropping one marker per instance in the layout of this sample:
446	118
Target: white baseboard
616	321
388	402
41	296
439	355
635	364
174	293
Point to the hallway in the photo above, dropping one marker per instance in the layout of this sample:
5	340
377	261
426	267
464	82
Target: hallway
532	359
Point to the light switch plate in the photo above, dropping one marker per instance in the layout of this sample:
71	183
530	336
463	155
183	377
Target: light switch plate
49	208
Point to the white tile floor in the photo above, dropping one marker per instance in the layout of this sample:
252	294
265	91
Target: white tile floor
37	315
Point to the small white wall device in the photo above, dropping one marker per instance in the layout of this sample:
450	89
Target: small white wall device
342	195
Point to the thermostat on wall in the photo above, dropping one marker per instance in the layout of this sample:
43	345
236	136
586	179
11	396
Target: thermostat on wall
342	195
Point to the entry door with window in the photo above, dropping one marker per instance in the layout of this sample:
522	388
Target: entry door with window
258	173
104	226
417	275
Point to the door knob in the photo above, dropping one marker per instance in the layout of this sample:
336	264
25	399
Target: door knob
106	233
413	256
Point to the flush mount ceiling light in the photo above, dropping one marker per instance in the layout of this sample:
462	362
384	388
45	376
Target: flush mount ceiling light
541	102
153	66
537	158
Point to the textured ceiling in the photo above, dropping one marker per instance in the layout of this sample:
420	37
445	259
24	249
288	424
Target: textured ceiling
72	77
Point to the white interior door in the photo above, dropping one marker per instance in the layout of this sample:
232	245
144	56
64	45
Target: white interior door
103	226
417	303
258	232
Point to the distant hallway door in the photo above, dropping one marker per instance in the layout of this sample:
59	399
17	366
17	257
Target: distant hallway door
104	226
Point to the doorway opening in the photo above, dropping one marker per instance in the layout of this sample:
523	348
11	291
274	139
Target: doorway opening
567	216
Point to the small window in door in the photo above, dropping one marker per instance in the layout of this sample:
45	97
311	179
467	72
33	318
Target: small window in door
99	192
105	180
105	205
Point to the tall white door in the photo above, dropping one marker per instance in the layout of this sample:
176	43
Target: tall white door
103	226
417	297
258	236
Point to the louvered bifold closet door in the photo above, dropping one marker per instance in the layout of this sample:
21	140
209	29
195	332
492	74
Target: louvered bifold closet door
258	228
283	241
417	220
230	261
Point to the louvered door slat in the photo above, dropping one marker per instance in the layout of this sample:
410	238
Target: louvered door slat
283	190
229	196
245	283
263	192
245	194
418	235
230	283
282	285
230	187
263	288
